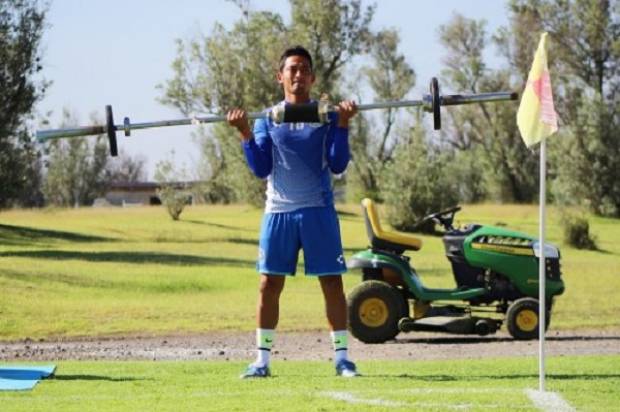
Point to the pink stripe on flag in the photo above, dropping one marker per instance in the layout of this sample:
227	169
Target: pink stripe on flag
542	88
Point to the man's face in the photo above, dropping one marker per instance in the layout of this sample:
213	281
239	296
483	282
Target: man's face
296	76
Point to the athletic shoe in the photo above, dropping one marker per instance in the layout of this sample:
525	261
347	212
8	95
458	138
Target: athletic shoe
254	371
346	368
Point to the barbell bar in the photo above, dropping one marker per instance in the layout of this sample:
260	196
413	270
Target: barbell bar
315	112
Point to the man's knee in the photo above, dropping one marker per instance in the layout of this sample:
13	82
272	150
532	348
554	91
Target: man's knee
331	284
271	285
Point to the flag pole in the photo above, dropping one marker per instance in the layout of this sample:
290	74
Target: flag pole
541	268
537	119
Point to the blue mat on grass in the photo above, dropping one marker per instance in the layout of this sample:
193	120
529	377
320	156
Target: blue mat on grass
20	378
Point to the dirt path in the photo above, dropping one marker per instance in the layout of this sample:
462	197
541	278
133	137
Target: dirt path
310	346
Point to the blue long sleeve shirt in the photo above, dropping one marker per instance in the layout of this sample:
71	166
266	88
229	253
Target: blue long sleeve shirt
296	159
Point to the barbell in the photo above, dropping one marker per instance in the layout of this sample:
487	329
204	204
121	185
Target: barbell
315	112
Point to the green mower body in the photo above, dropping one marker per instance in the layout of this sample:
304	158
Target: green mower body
496	275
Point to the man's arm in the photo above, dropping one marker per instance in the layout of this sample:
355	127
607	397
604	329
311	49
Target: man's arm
257	150
338	154
338	149
256	146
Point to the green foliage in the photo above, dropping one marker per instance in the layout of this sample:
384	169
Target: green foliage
584	52
233	172
577	231
80	170
173	189
125	168
173	199
237	68
390	78
22	23
490	130
469	174
215	73
363	174
591	175
417	183
76	169
334	31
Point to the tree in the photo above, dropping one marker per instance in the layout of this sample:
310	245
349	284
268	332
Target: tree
584	51
237	67
125	168
214	186
334	31
215	73
586	35
488	130
21	28
76	168
418	181
390	77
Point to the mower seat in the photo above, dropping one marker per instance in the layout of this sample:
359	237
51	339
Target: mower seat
379	239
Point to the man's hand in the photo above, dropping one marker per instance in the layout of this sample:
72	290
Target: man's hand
346	110
238	118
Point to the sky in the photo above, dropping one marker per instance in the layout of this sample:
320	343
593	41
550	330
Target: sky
100	52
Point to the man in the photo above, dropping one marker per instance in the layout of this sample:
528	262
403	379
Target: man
296	159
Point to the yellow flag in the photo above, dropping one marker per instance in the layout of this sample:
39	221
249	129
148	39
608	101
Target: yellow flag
536	117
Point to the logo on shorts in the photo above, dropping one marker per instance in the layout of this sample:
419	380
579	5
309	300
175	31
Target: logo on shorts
340	259
261	254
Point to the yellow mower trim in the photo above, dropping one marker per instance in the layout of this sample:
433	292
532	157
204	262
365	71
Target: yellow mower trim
511	250
394	237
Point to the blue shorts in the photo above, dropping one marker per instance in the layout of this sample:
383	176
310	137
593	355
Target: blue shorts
314	229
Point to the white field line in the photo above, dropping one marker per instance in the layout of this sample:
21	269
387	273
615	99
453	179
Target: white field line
548	401
351	398
455	390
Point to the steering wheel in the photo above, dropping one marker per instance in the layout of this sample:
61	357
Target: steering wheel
445	217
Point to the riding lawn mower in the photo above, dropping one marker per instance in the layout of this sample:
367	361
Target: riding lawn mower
496	274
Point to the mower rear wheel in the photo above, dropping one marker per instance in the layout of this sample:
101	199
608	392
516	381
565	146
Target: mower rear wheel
374	309
522	319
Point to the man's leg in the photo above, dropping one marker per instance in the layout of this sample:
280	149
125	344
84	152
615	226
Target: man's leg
336	310
268	307
335	302
267	315
323	256
278	250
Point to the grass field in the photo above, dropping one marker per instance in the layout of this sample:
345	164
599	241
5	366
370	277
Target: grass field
584	383
105	272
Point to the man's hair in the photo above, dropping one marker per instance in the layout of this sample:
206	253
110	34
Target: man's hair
295	51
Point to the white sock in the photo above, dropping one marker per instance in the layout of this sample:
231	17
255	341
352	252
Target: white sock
340	343
262	358
264	343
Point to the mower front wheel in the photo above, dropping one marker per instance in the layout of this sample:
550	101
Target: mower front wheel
374	309
522	319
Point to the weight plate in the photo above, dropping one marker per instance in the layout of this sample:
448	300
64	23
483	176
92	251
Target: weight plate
111	130
436	99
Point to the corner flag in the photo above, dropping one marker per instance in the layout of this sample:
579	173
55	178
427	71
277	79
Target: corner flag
536	117
538	120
